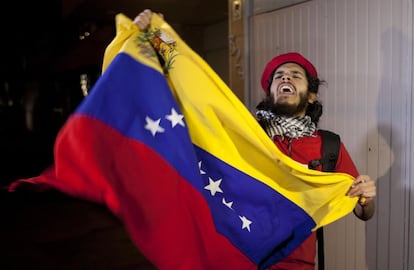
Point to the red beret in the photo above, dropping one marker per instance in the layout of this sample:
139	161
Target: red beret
291	57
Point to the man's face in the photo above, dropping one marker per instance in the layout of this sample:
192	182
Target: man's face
289	90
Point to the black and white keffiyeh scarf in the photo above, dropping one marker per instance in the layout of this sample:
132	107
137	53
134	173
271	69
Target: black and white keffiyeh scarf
291	127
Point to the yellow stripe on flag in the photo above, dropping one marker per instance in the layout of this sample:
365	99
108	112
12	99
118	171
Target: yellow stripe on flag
220	124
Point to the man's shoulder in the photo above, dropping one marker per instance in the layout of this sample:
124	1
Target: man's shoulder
327	132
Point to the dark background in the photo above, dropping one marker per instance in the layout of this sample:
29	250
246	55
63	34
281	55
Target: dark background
43	57
42	60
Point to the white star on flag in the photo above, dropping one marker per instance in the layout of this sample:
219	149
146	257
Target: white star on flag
153	126
213	186
245	223
228	204
175	118
199	167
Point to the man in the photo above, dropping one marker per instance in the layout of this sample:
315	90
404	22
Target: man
289	114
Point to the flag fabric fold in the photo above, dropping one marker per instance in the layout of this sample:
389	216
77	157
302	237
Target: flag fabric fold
166	145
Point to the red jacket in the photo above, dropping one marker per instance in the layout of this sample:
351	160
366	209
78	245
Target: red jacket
304	150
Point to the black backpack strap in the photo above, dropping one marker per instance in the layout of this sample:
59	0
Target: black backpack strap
321	251
331	143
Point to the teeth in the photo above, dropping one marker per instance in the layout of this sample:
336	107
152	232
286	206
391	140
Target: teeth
287	89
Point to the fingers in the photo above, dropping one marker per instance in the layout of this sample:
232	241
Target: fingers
364	188
143	20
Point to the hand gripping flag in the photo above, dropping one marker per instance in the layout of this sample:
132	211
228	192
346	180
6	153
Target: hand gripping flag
166	145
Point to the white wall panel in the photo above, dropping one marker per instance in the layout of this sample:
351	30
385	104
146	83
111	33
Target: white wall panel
363	49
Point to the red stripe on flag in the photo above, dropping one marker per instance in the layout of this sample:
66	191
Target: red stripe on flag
166	217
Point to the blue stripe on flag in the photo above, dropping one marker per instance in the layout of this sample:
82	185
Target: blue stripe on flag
254	217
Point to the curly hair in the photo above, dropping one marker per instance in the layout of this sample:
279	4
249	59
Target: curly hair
315	109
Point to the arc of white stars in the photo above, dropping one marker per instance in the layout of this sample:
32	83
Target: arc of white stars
228	204
245	223
199	167
175	118
153	126
213	186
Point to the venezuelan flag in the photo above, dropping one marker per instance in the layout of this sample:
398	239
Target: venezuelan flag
179	159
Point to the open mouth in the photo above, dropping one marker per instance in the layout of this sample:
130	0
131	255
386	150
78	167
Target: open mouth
286	89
